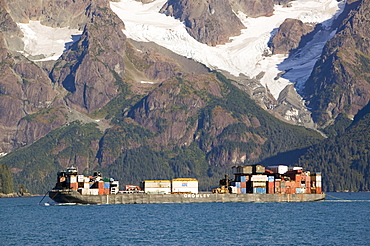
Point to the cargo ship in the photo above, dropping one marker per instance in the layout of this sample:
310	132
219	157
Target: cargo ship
251	183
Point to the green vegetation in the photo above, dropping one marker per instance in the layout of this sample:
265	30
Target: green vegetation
343	159
39	162
6	181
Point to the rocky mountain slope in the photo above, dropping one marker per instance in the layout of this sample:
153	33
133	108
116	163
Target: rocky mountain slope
137	110
340	81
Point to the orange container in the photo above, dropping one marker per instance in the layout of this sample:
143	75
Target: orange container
73	186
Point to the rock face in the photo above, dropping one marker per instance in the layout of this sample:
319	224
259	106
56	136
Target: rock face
253	8
289	36
50	12
211	22
340	81
93	68
24	90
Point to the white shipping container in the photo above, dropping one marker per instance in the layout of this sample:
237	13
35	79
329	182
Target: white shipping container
157	184
86	179
259	184
93	192
234	190
87	185
318	184
157	190
278	169
185	185
80	178
72	179
259	178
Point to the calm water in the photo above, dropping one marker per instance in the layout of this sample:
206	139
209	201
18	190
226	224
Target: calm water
331	222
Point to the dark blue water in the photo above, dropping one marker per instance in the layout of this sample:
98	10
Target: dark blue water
331	222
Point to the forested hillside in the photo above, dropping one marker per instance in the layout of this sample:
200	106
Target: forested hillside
344	159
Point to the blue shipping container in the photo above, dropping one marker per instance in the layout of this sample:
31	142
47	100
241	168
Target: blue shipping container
243	179
237	184
244	190
271	179
106	185
259	190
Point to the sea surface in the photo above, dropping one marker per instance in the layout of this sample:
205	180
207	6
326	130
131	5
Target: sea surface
343	219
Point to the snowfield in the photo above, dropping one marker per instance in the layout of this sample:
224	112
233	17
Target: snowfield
40	40
244	54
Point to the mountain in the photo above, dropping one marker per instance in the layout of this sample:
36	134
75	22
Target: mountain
163	89
340	81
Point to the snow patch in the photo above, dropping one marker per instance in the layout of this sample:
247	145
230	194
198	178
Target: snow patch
46	42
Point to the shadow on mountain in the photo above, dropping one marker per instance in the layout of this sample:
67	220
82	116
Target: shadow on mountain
288	158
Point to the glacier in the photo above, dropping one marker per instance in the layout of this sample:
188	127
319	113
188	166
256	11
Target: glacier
244	54
43	43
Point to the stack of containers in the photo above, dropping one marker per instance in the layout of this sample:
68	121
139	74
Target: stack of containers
241	183
100	187
316	183
106	188
72	180
271	185
184	185
259	183
157	186
278	186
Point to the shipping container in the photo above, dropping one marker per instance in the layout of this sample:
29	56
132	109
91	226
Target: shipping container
259	178
73	186
243	185
72	179
281	169
233	190
241	178
106	185
259	190
185	185
238	184
259	184
271	179
80	178
157	184
244	190
258	169
245	169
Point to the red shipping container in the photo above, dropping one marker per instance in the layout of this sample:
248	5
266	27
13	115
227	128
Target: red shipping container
73	186
271	187
106	191
298	178
101	191
100	185
243	184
